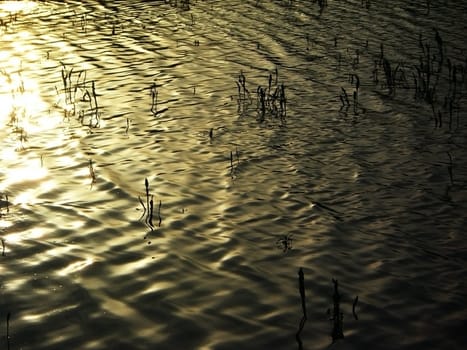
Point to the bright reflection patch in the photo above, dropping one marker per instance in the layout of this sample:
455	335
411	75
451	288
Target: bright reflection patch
17	6
76	266
15	238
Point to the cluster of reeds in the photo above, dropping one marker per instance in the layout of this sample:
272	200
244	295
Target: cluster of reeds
429	69
244	96
148	209
353	102
435	79
394	77
336	316
429	77
154	100
81	95
270	100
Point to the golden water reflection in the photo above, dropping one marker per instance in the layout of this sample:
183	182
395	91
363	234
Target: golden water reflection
26	120
16	6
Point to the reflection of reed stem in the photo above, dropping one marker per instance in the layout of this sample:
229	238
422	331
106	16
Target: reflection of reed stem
301	288
154	94
92	174
353	308
159	213
150	212
144	208
337	315
146	185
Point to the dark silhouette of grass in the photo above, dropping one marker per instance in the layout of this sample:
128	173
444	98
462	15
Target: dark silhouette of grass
270	100
301	288
74	83
337	315
148	209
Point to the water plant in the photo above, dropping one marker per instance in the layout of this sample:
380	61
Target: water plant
148	209
337	316
301	289
270	100
244	98
285	242
74	83
436	79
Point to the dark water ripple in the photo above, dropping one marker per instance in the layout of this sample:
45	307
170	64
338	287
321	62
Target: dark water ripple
375	199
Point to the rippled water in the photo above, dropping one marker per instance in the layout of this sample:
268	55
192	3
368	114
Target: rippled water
373	194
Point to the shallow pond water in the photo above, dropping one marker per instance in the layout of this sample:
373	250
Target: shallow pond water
152	196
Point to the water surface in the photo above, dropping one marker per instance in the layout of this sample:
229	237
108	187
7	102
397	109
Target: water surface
372	194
